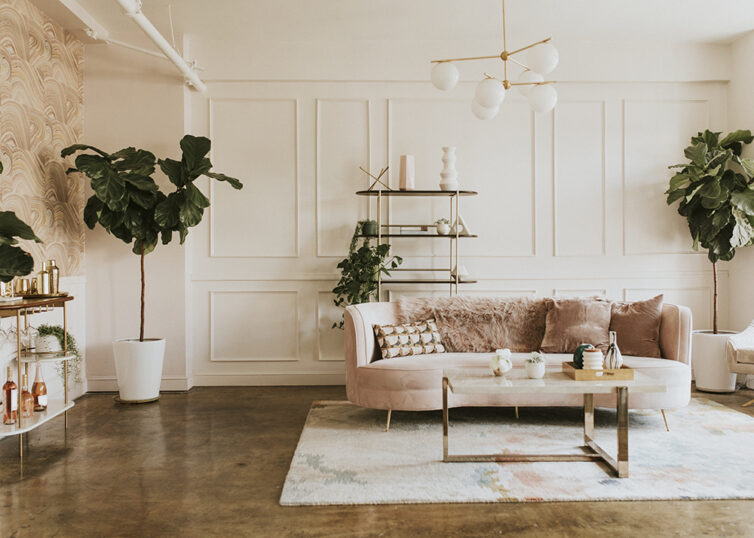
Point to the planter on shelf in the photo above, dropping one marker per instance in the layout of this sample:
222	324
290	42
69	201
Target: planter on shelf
138	367
369	227
709	362
442	226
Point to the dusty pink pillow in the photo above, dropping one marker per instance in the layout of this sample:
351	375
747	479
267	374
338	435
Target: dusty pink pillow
572	322
637	327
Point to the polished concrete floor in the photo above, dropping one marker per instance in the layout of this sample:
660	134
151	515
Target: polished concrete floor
212	463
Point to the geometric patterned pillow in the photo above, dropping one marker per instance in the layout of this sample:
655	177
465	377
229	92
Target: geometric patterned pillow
416	338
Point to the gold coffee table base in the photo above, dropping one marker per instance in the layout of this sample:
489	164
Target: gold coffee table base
594	452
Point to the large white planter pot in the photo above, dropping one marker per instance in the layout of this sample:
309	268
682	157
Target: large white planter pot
709	362
138	366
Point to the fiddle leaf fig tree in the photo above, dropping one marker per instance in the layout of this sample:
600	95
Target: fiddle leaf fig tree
129	204
716	193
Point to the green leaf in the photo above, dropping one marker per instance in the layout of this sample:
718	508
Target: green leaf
743	231
91	212
93	166
137	161
748	166
143	183
174	170
697	153
194	148
236	184
11	226
70	150
144	199
675	195
743	201
195	196
111	189
677	181
742	135
166	213
15	262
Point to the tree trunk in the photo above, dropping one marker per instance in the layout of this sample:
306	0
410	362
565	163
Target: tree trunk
714	298
141	326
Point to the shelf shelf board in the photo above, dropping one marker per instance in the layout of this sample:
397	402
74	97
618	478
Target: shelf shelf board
9	309
449	236
416	193
54	409
33	356
427	281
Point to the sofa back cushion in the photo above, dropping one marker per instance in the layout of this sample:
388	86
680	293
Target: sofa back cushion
637	327
572	322
481	324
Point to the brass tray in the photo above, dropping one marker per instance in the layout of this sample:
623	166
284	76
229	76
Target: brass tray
44	295
623	373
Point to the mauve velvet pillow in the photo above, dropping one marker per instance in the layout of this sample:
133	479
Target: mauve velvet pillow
572	322
637	327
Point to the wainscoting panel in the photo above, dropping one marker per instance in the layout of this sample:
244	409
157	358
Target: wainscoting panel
571	204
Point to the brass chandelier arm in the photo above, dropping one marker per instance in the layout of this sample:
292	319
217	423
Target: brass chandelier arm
465	59
529	46
522	64
533	83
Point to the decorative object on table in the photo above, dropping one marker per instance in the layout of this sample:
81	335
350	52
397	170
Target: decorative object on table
14	261
501	362
578	355
535	365
571	322
128	204
593	359
442	226
408	173
716	192
39	390
377	178
22	286
48	343
601	374
400	340
449	174
51	267
463	273
56	332
613	357
359	270
541	58
43	284
463	228
10	399
369	227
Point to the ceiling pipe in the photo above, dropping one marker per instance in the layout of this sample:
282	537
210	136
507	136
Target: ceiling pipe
132	9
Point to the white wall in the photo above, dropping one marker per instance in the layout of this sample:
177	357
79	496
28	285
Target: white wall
741	116
571	202
132	100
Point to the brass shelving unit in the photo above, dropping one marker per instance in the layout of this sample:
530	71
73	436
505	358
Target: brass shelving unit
21	311
453	281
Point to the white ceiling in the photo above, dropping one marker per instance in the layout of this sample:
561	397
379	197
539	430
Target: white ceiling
700	21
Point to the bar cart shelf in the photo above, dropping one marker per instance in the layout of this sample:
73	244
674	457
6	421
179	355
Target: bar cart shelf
451	280
21	310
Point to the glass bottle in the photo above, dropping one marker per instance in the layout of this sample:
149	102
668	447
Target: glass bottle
27	400
39	390
10	400
51	267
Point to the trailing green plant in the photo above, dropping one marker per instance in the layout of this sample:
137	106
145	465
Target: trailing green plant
14	261
128	203
716	193
358	271
74	365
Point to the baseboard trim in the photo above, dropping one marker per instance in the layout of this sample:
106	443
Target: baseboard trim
268	380
110	384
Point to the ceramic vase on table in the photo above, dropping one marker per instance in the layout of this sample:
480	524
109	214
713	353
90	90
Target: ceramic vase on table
593	359
443	228
535	370
613	357
449	174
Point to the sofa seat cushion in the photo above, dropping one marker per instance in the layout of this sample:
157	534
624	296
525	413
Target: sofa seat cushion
422	372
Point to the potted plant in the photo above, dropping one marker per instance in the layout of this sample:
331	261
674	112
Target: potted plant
443	226
716	193
535	365
358	271
369	227
128	204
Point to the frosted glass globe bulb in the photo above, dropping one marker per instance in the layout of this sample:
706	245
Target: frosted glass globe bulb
444	76
489	93
542	58
484	113
528	76
542	98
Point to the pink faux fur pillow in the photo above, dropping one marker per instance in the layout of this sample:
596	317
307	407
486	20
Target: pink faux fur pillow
481	324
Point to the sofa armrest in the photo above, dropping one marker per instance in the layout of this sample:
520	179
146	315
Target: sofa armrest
675	333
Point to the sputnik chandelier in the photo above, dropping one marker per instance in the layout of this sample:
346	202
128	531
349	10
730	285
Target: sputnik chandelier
541	59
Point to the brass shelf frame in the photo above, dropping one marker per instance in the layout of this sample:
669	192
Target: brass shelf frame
24	309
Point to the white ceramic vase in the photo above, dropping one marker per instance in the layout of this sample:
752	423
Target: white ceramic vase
449	174
593	360
535	370
443	228
138	366
709	362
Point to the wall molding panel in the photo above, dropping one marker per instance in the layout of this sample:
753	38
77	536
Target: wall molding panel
570	204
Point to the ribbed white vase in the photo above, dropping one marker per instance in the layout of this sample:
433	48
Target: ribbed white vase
449	173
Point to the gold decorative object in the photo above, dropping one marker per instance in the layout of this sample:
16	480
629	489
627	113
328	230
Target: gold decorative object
543	58
52	269
42	283
23	286
376	178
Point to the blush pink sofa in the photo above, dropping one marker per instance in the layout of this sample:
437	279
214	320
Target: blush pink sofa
413	383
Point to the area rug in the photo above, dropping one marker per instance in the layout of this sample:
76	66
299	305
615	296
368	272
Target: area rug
344	456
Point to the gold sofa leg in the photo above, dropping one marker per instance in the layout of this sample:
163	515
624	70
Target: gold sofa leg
516	412
387	426
665	419
747	404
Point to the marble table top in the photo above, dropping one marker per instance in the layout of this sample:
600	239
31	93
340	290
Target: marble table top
515	381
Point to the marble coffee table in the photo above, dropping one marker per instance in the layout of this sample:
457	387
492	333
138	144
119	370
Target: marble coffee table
482	381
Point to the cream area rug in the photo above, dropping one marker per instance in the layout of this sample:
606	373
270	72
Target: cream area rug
344	456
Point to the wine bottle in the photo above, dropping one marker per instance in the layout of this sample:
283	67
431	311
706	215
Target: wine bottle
39	390
27	400
10	400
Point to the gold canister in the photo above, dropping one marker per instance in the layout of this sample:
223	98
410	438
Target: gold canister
43	283
5	289
23	286
51	267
